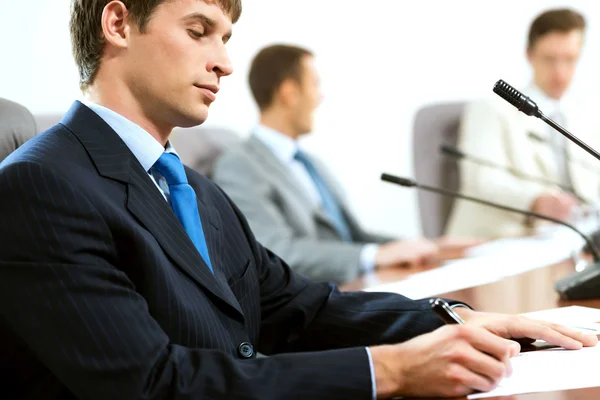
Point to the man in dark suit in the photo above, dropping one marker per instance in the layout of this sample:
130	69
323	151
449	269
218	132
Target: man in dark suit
124	275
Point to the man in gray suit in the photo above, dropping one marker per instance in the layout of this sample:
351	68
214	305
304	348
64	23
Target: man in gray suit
294	206
16	127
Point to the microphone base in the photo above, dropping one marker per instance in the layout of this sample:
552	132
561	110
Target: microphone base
582	285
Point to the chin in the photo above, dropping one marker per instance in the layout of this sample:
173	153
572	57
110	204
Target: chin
306	129
190	118
558	93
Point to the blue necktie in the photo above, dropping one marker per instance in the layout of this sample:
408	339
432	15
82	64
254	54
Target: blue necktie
330	204
183	201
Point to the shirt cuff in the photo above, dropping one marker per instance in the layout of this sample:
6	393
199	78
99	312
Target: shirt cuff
367	258
372	368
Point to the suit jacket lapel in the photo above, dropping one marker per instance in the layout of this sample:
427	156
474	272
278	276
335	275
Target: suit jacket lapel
285	177
115	161
543	153
582	170
211	224
150	208
339	196
275	167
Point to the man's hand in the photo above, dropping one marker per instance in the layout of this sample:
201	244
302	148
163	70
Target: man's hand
413	252
452	361
555	205
518	327
455	247
456	360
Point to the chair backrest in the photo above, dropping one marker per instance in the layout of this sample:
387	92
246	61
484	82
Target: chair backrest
435	125
200	147
47	121
17	126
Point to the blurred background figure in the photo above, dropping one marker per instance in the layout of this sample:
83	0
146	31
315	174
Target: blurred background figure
294	205
494	131
17	126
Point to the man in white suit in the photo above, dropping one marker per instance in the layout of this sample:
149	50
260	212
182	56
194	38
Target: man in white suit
295	207
494	130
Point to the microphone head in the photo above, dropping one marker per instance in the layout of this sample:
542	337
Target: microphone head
516	98
397	180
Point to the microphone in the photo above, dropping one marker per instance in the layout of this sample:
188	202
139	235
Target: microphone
454	152
528	107
578	286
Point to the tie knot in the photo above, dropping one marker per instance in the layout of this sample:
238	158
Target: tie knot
171	168
300	156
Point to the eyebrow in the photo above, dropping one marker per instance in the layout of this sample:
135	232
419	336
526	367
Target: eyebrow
199	17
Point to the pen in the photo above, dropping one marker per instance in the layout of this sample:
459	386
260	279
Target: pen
443	310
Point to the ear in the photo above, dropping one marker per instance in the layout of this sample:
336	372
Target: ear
529	53
115	24
288	92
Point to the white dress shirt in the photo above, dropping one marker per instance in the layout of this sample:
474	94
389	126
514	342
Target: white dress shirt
146	149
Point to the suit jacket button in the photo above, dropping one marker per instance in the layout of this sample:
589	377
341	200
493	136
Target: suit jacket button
245	350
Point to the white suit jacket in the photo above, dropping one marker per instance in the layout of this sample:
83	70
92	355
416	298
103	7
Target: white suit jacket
496	131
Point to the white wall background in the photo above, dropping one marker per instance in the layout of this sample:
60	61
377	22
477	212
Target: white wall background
380	60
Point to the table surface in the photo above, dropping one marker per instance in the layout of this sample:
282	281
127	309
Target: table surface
526	292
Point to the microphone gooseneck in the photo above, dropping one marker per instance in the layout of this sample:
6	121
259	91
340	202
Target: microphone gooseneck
456	153
411	183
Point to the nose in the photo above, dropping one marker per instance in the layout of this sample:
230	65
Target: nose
220	64
564	70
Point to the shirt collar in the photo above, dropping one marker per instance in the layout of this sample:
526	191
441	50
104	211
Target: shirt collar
146	149
283	146
548	105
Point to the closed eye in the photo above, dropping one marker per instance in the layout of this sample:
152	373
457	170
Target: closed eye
195	34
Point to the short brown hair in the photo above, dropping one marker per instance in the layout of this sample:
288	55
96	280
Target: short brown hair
86	29
562	20
271	67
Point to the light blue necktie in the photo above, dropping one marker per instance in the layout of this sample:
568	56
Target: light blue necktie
330	204
183	201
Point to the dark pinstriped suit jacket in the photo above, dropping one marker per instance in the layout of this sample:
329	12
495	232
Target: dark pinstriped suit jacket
103	295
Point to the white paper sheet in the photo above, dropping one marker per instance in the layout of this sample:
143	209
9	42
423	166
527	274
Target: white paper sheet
488	263
549	370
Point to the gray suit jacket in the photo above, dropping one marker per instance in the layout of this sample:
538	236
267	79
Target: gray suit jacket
284	219
16	127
